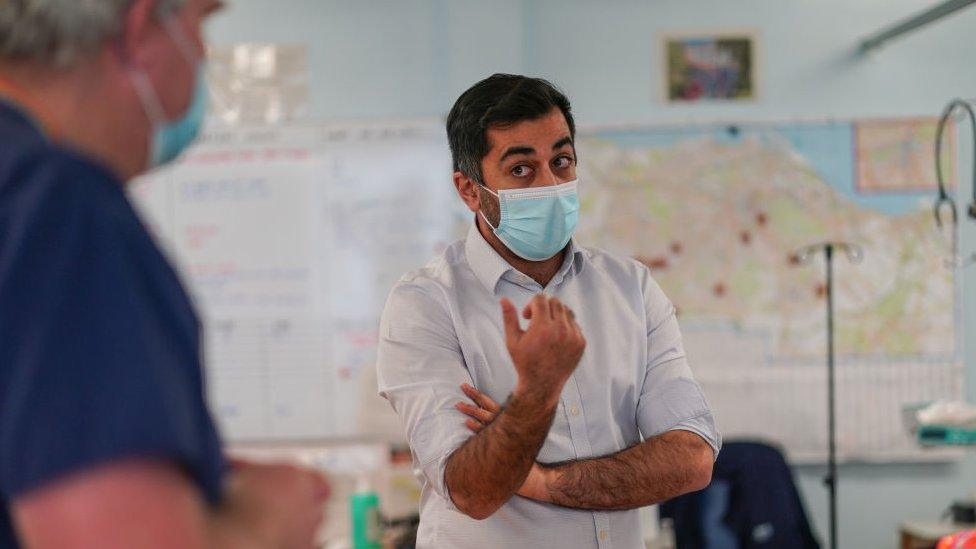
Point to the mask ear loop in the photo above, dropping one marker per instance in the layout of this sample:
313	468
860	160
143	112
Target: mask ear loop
485	187
193	57
140	80
147	95
493	228
180	39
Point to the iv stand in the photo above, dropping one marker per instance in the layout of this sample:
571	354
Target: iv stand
854	255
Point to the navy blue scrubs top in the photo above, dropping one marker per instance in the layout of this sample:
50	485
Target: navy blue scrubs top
99	344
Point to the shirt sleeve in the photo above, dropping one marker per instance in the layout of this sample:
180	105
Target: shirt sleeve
93	366
670	398
420	372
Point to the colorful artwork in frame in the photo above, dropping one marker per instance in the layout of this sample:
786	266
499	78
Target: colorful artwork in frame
710	67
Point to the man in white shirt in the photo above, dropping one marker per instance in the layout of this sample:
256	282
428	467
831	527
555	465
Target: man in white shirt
601	415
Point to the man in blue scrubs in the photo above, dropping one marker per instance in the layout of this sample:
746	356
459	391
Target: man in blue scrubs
105	439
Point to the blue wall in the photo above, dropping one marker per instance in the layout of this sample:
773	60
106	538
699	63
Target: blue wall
402	58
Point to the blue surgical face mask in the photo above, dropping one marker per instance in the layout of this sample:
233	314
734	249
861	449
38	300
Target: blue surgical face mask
169	138
537	223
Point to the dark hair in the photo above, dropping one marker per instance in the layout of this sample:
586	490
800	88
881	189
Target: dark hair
499	100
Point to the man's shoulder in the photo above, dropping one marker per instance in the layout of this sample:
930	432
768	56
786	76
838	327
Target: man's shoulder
619	267
438	272
65	222
629	275
432	281
40	175
27	152
26	148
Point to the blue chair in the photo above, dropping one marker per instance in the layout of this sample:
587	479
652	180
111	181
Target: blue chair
752	503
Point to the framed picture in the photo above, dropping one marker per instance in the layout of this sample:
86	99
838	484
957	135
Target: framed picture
710	66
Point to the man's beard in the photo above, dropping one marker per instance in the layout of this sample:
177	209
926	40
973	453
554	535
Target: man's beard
490	207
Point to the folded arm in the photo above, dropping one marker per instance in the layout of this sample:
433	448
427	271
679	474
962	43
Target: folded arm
680	437
663	467
491	466
656	470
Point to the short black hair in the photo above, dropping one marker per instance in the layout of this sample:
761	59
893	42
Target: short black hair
497	101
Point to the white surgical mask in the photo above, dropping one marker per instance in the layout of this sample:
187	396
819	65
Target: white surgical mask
536	223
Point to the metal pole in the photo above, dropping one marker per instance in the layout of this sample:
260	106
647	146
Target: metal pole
831	479
854	255
932	14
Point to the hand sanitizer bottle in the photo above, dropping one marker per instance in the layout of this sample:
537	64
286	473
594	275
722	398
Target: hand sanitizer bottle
364	507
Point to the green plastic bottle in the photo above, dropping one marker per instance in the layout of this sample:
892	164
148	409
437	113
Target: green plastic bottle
364	507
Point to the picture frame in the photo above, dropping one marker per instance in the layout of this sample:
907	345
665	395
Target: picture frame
710	66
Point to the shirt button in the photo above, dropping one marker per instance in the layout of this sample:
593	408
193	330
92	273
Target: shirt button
573	411
603	535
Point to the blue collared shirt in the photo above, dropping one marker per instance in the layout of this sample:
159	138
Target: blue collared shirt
99	343
442	326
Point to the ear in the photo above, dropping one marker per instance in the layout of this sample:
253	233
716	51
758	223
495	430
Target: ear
141	34
467	189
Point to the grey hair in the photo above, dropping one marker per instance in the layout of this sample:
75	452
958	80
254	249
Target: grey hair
59	32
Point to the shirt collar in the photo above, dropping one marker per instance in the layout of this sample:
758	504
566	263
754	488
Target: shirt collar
33	112
489	267
15	114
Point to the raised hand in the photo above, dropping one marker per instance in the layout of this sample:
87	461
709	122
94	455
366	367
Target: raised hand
545	354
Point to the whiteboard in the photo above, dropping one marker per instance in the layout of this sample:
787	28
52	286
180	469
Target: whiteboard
289	239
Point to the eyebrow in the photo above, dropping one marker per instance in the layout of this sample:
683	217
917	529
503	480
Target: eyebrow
562	143
521	149
511	151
